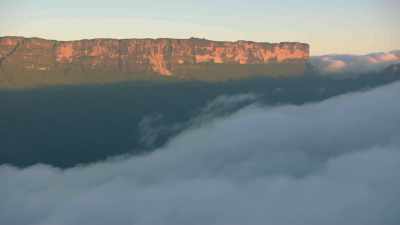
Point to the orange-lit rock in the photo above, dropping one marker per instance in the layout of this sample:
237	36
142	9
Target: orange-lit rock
161	56
8	45
64	52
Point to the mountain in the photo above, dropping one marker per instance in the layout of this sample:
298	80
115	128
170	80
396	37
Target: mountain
28	62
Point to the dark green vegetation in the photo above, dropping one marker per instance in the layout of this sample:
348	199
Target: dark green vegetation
67	125
224	72
36	79
16	78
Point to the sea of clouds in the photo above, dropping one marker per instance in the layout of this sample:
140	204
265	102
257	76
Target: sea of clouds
355	64
332	162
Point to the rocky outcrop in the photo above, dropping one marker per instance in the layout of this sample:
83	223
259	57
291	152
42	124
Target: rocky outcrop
167	57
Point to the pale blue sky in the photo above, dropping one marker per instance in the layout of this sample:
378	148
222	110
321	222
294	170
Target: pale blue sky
336	26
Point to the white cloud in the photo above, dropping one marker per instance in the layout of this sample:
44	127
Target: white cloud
334	162
333	64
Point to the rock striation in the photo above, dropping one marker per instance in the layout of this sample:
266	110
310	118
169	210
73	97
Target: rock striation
164	57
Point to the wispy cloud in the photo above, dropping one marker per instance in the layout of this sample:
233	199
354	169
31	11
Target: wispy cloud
152	127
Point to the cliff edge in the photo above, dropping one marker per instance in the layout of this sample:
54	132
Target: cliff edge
44	61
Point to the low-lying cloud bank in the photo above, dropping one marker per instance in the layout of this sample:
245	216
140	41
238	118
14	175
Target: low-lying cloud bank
334	162
334	64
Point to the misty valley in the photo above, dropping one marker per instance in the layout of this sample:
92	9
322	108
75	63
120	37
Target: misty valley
65	126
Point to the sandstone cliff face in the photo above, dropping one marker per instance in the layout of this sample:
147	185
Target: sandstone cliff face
32	62
160	56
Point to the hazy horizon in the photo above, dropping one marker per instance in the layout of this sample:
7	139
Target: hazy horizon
339	27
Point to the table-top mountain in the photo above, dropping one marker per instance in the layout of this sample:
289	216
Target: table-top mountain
28	62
